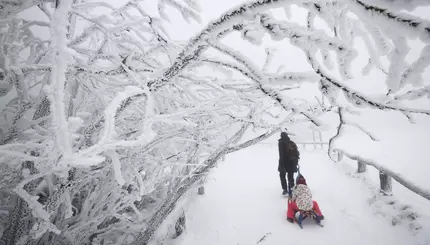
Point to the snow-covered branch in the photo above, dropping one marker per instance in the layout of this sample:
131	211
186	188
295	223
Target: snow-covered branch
55	91
338	133
262	83
343	121
168	206
198	44
359	99
281	30
414	26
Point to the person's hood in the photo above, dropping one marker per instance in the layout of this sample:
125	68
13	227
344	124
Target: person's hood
301	181
284	137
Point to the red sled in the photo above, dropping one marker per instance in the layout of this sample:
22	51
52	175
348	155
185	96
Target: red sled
302	215
294	213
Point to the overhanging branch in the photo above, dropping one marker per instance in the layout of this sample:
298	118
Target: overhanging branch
169	204
259	79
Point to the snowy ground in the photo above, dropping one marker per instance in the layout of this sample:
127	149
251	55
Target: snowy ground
243	203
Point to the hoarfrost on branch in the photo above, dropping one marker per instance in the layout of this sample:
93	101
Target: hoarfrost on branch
109	122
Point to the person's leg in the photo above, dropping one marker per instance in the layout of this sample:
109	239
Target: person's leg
317	209
292	209
290	180
282	174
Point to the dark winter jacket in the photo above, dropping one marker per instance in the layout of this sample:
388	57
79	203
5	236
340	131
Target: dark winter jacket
286	163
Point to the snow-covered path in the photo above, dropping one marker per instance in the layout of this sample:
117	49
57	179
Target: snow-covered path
243	202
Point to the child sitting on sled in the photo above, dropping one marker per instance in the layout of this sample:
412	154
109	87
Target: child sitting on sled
301	205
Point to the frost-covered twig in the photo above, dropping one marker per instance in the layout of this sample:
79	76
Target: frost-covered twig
269	59
371	136
243	71
413	73
338	133
116	166
261	80
32	200
414	94
358	98
414	26
342	122
98	122
147	133
264	237
277	28
254	123
198	44
43	8
22	156
168	206
110	113
55	91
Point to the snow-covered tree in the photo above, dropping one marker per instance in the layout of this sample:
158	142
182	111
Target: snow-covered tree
109	122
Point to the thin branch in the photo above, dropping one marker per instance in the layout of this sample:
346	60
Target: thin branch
371	136
338	133
169	204
55	91
198	43
264	237
271	26
43	8
403	20
259	78
358	96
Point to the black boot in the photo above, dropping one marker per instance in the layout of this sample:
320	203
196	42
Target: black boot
284	192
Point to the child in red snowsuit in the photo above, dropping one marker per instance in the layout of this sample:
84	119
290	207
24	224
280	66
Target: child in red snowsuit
301	201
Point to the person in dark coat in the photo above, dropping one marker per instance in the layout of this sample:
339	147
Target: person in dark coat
287	163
